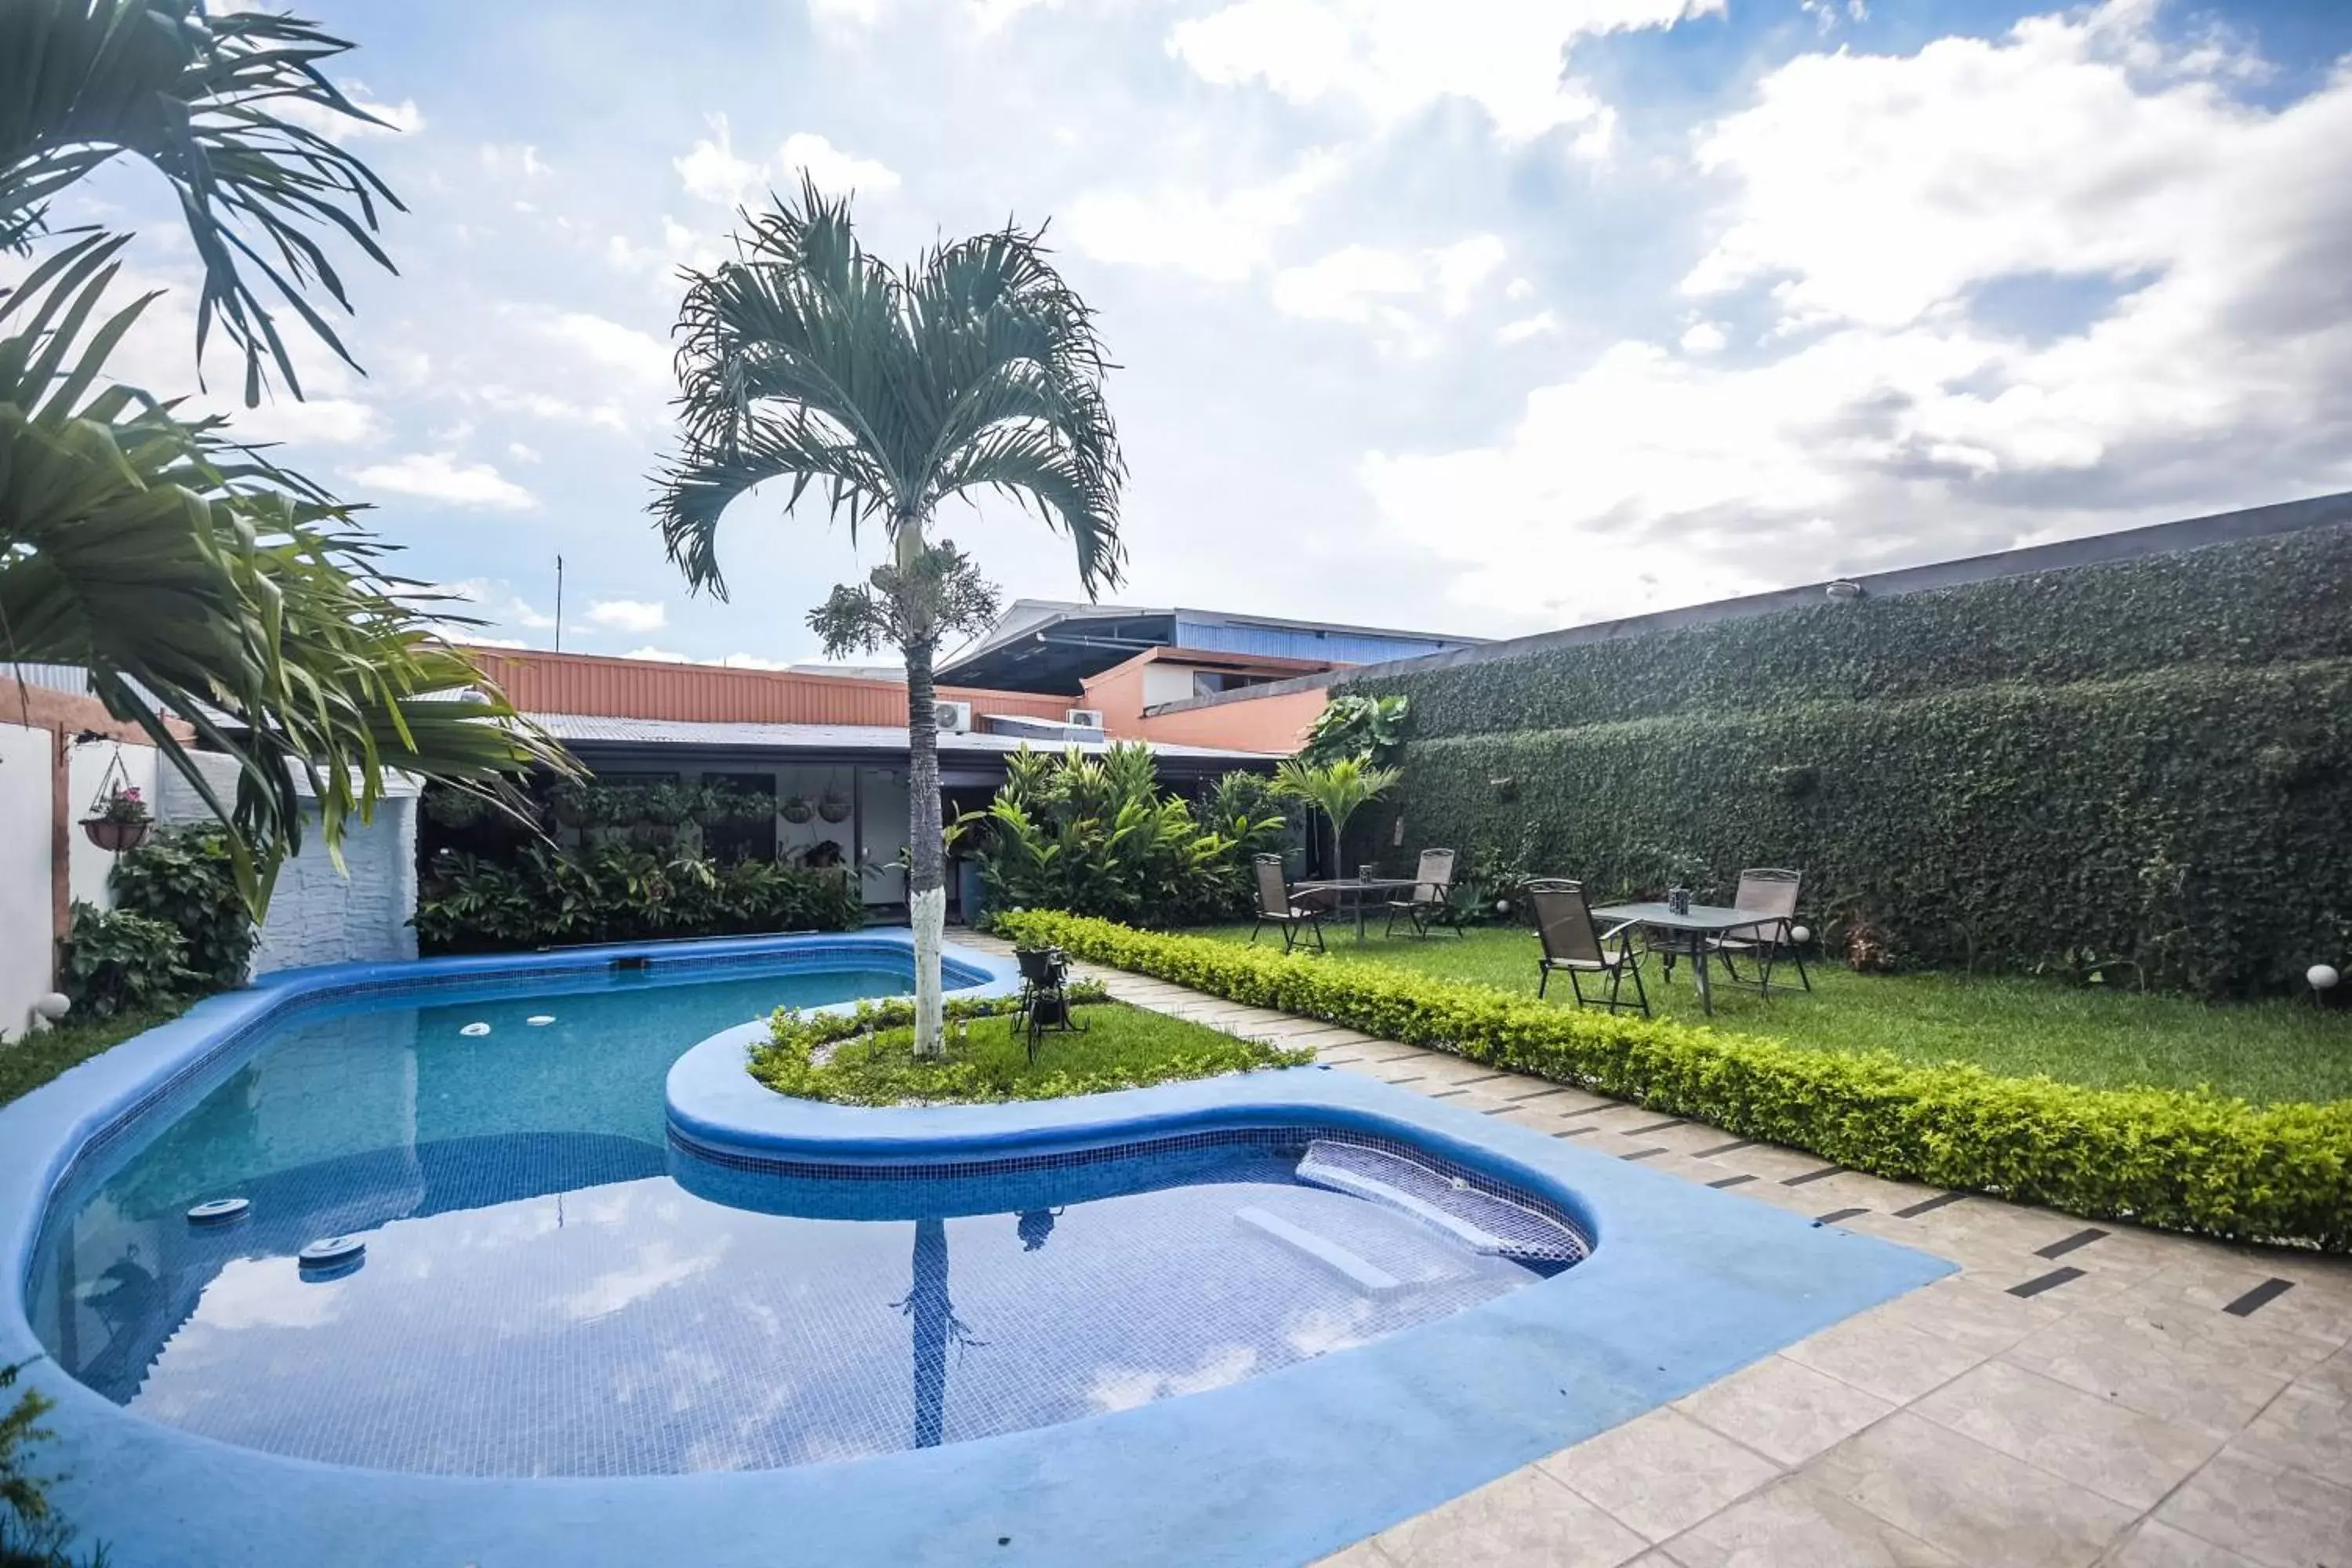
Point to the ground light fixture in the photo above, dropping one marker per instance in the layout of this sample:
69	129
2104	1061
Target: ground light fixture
2322	979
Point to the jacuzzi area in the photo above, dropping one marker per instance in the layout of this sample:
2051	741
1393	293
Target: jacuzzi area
617	1302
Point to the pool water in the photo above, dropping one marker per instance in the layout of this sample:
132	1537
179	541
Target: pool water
539	1296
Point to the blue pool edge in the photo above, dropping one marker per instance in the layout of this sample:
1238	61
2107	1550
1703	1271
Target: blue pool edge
1685	1286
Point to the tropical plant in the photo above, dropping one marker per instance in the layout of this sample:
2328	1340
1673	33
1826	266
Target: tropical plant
1338	789
1372	728
1096	835
186	877
186	573
619	892
891	390
116	960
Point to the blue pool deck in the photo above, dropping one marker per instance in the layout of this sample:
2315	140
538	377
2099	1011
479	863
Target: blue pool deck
1684	1286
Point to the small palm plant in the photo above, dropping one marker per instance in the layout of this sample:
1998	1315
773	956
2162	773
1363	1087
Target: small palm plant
890	391
1337	789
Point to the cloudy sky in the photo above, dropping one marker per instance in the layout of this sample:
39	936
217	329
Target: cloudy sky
1487	316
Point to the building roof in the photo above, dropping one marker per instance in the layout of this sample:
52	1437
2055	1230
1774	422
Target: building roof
1052	644
880	741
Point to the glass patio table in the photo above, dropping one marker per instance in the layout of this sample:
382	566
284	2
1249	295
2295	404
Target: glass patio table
1363	889
1687	932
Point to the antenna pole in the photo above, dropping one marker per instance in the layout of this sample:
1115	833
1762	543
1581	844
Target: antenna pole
559	603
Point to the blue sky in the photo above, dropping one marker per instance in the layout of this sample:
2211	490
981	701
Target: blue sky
1487	316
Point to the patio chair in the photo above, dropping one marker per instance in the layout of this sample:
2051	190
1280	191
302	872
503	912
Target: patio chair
1276	907
1046	994
1772	889
1431	902
1574	945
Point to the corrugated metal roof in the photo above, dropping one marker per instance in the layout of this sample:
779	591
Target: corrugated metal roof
594	728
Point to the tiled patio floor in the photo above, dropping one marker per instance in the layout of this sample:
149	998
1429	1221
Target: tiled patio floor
2077	1394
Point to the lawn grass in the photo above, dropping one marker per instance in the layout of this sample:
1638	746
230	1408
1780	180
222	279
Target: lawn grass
2011	1025
987	1059
28	1063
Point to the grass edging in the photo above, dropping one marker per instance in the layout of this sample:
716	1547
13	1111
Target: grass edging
2163	1157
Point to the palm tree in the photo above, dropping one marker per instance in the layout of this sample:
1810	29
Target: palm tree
891	390
1337	789
186	573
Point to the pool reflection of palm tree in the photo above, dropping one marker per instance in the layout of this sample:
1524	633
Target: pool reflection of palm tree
932	1314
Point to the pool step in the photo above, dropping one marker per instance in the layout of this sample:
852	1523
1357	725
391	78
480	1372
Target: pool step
1480	1220
1322	1249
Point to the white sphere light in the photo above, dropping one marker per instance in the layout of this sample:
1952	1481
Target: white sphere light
2322	976
53	1005
1800	934
1502	906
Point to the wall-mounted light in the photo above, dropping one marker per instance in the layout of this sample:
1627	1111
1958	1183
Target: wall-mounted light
1844	590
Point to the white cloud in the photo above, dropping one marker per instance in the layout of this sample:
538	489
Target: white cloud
1871	198
679	247
1391	58
1395	291
640	357
753	661
439	475
513	158
1543	323
840	16
712	171
320	421
394	119
1221	236
658	654
521	453
629	615
831	169
548	406
1703	338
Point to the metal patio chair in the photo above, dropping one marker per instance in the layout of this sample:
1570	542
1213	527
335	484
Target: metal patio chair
1431	902
1574	946
1277	907
1773	889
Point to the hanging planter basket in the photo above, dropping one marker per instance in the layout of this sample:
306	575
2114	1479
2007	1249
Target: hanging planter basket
833	806
797	810
116	834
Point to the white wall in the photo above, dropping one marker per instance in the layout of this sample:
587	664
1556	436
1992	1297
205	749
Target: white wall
1164	682
882	833
86	865
318	914
25	944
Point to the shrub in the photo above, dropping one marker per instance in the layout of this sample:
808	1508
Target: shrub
2185	1162
184	877
116	960
1094	834
619	892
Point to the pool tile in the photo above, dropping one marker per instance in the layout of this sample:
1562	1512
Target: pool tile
1527	1520
1796	1524
2118	1453
1972	1501
1661	1473
1783	1409
2275	1516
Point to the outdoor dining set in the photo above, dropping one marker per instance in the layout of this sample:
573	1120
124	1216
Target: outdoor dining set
1603	945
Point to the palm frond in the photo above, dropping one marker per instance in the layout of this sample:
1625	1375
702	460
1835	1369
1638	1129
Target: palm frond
204	100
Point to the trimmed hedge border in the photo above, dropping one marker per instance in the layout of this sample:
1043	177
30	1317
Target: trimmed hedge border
2159	1157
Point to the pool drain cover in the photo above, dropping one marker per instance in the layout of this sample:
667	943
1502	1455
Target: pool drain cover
1481	1220
218	1211
333	1252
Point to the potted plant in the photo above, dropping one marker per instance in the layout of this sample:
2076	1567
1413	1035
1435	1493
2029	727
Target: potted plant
121	821
833	806
797	810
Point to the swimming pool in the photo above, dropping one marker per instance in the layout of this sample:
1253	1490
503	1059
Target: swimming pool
592	1330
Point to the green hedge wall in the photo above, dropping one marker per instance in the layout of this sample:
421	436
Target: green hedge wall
2195	823
2258	602
2188	1161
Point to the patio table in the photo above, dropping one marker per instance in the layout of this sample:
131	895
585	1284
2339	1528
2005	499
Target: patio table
1363	888
1687	932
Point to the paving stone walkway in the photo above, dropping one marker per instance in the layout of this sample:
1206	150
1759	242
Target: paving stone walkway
2078	1393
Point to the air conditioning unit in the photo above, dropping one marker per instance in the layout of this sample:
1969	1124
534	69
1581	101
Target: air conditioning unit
952	718
1084	719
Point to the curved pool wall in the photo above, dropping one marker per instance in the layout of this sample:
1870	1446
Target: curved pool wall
1684	1285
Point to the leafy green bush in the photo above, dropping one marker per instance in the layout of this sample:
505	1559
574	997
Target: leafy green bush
185	876
619	892
1366	729
116	960
2183	1160
869	1054
1095	835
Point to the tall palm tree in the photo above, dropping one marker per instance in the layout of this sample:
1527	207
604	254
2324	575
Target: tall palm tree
891	390
190	574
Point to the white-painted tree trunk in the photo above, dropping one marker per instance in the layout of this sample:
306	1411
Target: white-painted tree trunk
928	909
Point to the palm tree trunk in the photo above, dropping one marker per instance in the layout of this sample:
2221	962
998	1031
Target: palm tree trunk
927	894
